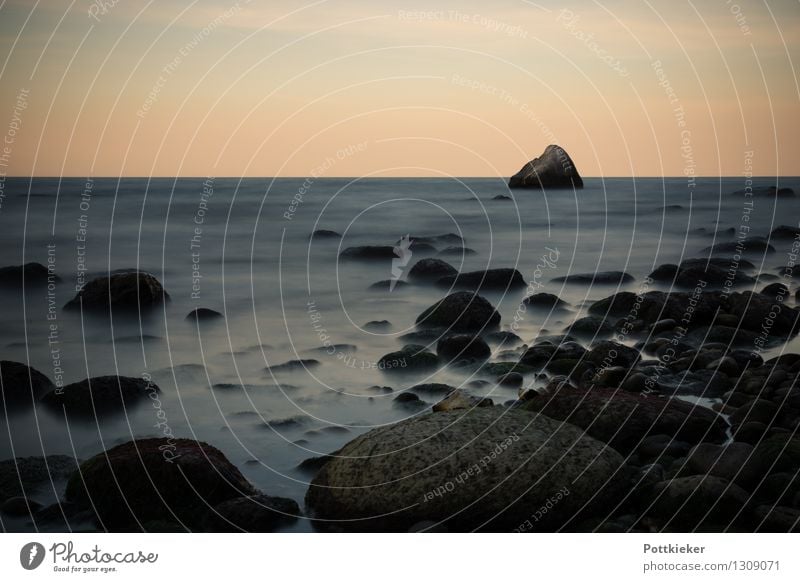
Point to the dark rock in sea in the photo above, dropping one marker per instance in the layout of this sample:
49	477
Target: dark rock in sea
502	197
432	389
610	353
656	305
457	251
670	207
21	386
490	279
378	325
511	380
553	169
203	314
702	502
100	395
733	461
622	419
388	285
19	507
767	192
293	366
423	469
590	326
544	301
785	232
156	479
409	400
438	239
753	245
411	358
21	476
29	275
755	310
461	311
323	234
502	338
122	291
430	271
692	272
659	445
776	292
460	400
255	514
599	278
459	347
368	253
540	354
313	465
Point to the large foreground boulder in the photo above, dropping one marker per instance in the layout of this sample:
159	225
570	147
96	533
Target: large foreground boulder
21	386
489	469
553	169
623	419
461	311
172	480
120	291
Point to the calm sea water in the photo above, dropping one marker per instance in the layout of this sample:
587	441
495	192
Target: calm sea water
242	247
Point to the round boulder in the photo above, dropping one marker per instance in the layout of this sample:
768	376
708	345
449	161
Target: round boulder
124	291
458	347
461	311
430	271
434	469
21	386
102	394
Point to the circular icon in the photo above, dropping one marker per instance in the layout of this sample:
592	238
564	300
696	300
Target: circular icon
31	555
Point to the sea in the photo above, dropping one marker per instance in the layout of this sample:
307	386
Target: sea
242	247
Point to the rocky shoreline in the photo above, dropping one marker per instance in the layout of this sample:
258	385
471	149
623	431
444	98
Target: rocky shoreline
656	411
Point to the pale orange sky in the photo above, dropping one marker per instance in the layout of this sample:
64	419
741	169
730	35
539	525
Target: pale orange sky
346	88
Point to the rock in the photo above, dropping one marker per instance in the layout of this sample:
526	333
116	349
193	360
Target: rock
29	275
408	399
512	380
433	389
156	479
375	325
750	432
388	285
776	519
700	501
663	325
778	453
544	301
502	197
727	366
553	169
322	233
461	311
460	400
292	366
411	358
785	232
438	239
767	192
430	271
18	477
21	386
456	252
312	465
757	246
490	279
19	507
610	353
121	291
635	382
776	292
432	468
598	278
100	395
591	325
539	354
502	338
754	310
731	462
712	271
368	253
458	347
204	314
610	377
661	444
623	419
255	513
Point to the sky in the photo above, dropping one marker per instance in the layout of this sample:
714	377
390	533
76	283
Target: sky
357	88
